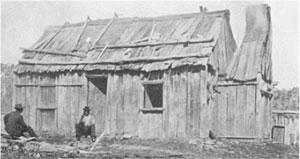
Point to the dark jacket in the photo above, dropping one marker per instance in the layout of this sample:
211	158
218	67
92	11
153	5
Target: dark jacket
14	123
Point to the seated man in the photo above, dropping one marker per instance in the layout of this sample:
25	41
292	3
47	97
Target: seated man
15	125
86	125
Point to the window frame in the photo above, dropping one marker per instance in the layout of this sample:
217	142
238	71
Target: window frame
153	109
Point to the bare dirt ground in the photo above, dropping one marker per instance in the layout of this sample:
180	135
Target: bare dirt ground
120	148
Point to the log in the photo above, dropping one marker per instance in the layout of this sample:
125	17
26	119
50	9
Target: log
97	140
285	112
191	41
45	51
131	60
96	76
102	52
49	85
151	109
152	82
236	84
21	140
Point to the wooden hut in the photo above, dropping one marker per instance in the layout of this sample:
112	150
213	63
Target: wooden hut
148	77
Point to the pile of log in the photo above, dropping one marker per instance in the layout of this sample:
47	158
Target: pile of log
33	148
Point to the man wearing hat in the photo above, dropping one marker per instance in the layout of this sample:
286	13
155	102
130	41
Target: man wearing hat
86	125
15	125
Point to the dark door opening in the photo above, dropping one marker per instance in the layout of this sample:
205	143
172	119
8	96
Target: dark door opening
97	90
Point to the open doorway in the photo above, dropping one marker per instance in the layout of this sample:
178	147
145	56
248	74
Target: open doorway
97	90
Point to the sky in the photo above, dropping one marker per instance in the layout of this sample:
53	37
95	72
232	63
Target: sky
22	23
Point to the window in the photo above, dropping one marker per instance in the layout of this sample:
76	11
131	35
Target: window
100	83
153	95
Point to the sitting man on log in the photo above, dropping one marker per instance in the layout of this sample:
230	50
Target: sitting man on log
86	125
15	125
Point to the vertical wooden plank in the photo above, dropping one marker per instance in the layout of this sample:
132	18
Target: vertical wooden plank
183	92
221	106
60	98
128	104
174	84
259	107
121	103
171	124
251	127
169	104
109	101
232	110
239	120
203	115
245	112
194	102
165	119
266	116
141	102
189	107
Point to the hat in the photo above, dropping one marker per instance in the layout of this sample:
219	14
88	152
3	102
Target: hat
86	108
19	106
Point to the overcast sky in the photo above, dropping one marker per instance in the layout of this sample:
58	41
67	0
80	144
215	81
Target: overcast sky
22	23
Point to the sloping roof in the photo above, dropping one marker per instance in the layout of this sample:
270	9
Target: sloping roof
190	38
254	55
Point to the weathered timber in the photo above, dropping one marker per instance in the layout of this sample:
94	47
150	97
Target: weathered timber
236	84
152	82
143	59
285	112
96	75
151	109
102	52
151	44
45	51
49	85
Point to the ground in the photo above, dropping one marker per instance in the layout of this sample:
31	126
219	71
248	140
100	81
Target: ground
119	147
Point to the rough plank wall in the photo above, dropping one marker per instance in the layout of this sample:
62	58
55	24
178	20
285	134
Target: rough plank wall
177	104
67	100
28	96
237	112
123	101
187	111
71	100
184	99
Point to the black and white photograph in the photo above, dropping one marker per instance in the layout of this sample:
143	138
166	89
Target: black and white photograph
150	79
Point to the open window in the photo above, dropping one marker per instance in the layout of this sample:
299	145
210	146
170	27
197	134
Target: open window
100	83
153	96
